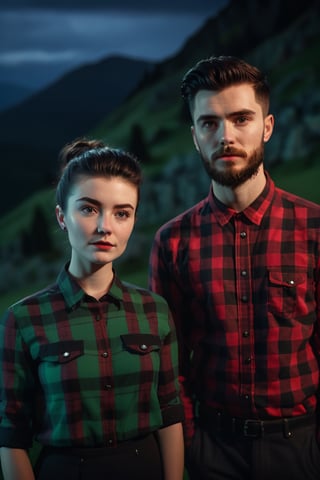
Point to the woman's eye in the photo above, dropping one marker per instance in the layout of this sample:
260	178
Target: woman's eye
87	209
122	214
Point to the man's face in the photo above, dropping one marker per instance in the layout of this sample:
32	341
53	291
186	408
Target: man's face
229	131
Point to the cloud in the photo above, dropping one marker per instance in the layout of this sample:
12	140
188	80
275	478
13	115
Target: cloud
37	56
44	42
38	35
133	5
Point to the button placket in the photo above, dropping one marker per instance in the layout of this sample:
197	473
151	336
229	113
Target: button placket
243	269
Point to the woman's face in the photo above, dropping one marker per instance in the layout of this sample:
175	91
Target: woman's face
99	219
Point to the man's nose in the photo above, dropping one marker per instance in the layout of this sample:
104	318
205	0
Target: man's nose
225	133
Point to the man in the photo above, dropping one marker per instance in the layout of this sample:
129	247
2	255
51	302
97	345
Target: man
240	271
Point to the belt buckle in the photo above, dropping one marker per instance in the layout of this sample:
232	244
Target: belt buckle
252	428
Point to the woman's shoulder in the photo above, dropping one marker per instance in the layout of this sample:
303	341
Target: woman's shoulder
36	297
144	292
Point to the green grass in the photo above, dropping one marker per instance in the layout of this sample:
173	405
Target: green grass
292	176
20	218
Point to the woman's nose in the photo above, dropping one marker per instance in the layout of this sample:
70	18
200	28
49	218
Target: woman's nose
103	225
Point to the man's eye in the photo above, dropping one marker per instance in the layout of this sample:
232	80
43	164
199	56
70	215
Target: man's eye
209	125
242	119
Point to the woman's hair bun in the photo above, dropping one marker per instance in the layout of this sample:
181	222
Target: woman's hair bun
76	148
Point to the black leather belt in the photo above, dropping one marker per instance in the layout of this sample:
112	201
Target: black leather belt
216	421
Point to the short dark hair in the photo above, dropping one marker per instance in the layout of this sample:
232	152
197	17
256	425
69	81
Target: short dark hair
218	73
92	158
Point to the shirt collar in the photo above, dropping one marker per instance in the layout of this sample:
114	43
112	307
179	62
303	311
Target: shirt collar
74	295
254	212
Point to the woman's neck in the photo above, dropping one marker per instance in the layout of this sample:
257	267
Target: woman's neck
96	282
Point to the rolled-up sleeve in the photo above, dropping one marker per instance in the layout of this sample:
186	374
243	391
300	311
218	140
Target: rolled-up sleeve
16	387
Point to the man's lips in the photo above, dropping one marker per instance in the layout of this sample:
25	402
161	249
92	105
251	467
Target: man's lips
228	153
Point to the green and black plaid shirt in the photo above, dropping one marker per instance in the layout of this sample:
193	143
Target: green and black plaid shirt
78	372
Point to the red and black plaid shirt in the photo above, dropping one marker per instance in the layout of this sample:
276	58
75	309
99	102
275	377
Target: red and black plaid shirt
244	291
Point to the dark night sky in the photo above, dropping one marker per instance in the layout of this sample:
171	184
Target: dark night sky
41	40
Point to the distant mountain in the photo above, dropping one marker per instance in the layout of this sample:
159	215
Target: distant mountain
12	94
112	99
280	37
32	132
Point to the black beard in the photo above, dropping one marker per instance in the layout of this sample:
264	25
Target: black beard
234	179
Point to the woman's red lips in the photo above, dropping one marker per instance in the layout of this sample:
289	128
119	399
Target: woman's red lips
103	245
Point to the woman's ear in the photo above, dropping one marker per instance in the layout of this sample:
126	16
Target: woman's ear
60	218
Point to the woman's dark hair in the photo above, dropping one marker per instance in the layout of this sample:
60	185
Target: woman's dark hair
92	158
218	73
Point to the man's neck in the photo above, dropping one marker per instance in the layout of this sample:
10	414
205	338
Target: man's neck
241	197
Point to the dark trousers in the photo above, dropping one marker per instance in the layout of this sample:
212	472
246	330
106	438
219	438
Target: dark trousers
134	460
221	455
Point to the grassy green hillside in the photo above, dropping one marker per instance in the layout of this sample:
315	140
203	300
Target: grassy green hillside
292	177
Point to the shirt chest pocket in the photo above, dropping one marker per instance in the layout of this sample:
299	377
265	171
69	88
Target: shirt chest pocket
136	364
290	294
58	364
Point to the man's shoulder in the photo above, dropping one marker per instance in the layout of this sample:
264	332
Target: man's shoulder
186	217
297	200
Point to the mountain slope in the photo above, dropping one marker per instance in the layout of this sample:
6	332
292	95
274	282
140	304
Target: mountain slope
281	39
287	48
32	133
11	95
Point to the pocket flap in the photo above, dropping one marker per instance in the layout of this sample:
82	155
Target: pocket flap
141	342
61	352
287	279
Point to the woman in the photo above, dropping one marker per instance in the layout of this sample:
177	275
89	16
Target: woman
89	364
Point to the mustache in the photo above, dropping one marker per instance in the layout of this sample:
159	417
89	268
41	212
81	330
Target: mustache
227	150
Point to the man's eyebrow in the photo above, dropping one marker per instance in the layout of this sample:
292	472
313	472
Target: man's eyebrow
212	116
243	111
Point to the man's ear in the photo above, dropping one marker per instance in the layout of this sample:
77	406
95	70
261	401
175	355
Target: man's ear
268	127
194	138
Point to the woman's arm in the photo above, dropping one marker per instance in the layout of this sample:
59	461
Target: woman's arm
15	464
172	451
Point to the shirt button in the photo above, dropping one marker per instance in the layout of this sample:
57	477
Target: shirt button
246	397
108	386
243	234
244	273
143	347
291	282
104	354
244	298
245	334
248	360
66	354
